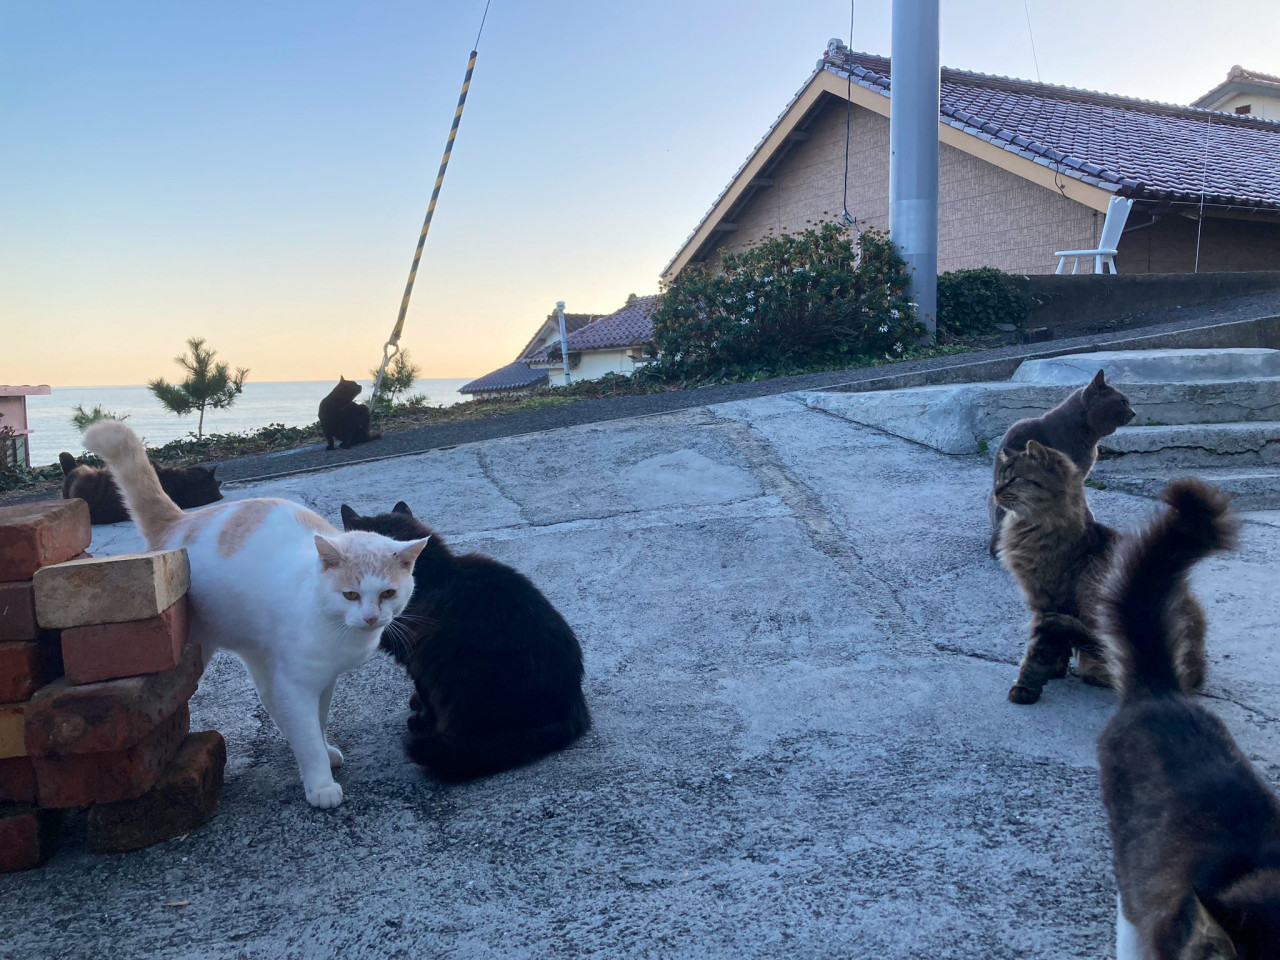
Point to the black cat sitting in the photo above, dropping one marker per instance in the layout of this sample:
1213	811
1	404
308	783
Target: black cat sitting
186	486
344	420
498	672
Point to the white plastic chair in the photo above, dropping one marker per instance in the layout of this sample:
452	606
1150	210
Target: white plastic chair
1117	214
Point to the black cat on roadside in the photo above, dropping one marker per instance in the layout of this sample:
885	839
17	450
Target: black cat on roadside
186	486
344	420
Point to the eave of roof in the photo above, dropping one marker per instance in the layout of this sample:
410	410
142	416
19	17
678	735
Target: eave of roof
513	376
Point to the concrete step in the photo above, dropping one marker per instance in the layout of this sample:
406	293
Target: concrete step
1250	444
1257	489
1152	366
968	418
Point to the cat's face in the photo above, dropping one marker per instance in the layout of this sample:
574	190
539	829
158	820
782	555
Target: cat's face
1106	408
1035	480
347	389
366	579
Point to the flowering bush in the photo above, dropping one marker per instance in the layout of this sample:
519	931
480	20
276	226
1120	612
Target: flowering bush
789	302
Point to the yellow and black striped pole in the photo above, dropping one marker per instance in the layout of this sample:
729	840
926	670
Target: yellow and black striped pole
392	346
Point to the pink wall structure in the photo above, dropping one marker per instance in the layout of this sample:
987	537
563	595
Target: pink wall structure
13	414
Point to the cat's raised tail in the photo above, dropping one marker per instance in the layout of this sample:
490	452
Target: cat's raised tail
148	504
1144	652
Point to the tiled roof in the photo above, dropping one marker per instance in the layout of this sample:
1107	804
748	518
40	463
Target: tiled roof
1138	148
572	322
510	377
628	327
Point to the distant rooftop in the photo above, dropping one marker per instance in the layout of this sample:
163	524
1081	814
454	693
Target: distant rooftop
628	327
513	376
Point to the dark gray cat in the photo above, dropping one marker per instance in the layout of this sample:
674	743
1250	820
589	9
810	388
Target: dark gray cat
1195	831
1074	426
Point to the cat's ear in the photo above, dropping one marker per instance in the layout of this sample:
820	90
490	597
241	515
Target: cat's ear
212	470
330	555
1099	382
349	516
402	507
1002	455
1035	448
409	552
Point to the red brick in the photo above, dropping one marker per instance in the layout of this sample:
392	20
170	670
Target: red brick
34	535
12	733
63	719
81	779
119	589
107	651
26	666
27	836
185	797
17	780
18	611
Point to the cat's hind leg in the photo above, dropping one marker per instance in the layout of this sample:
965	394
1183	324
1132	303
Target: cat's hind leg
326	696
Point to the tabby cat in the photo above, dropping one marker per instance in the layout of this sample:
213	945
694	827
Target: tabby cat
498	672
1057	552
1074	427
185	486
1195	831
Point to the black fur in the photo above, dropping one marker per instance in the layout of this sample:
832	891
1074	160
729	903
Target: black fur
1195	831
498	672
186	486
344	420
1074	427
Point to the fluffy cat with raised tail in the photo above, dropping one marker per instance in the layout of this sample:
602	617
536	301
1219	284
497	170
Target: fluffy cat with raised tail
299	602
1195	831
497	670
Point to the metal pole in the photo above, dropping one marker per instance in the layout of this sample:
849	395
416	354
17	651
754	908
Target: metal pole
913	150
564	341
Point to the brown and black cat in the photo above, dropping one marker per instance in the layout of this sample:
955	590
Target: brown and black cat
344	420
186	486
1059	555
1195	831
1074	426
497	670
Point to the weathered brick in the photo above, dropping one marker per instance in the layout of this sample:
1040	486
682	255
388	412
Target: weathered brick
133	586
34	535
105	651
18	611
27	665
17	780
185	796
62	719
81	779
12	738
27	836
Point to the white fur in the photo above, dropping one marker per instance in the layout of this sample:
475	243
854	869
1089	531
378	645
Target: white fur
271	603
1128	943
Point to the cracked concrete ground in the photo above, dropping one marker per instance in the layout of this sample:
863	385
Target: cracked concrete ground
798	653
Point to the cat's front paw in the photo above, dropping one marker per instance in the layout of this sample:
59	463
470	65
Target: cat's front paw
335	756
326	797
1023	695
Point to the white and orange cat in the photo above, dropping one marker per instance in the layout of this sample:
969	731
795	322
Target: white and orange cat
298	601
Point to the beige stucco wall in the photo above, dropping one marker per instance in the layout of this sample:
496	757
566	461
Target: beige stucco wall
986	216
1260	105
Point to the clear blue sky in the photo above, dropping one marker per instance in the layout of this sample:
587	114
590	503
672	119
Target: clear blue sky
256	173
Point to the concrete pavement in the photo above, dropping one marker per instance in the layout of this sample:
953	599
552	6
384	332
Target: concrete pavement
797	654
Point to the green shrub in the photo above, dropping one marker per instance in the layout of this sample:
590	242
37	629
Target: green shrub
977	301
792	302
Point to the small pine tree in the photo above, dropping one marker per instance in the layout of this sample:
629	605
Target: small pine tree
208	385
398	380
82	419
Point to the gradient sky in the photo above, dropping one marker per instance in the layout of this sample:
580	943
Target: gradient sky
256	173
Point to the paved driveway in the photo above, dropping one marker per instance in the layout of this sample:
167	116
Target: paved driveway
797	654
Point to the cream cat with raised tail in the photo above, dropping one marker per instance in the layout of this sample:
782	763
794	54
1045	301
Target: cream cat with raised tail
276	584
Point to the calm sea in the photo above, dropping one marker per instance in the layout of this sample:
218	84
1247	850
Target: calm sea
293	404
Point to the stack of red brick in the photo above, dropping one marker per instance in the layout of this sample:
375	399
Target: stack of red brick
95	675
